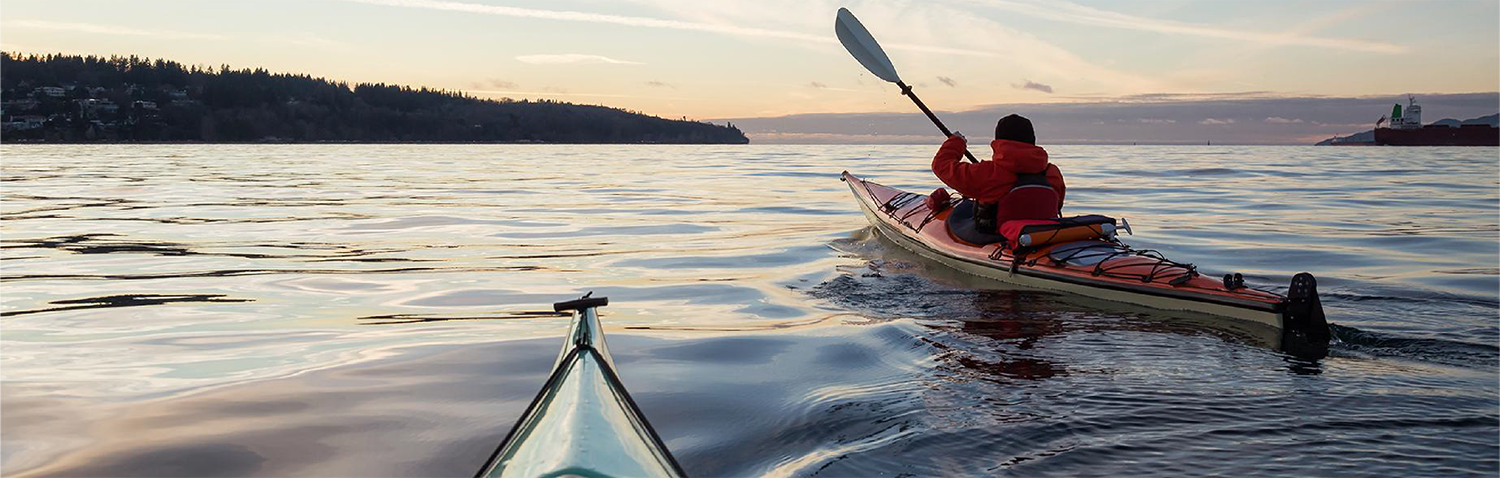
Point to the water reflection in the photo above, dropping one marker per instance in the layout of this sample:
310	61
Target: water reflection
123	300
902	284
422	318
379	310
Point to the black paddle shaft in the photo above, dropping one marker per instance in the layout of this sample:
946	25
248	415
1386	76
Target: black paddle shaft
906	90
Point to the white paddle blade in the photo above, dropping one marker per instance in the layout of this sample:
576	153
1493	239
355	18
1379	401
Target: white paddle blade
862	45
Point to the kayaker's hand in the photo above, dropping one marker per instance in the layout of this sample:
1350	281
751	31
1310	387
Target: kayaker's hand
961	136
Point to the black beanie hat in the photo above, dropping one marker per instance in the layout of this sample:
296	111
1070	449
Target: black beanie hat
1015	128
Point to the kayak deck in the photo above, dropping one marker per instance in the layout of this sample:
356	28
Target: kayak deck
1102	269
582	423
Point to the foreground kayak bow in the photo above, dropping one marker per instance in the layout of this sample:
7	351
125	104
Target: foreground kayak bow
1099	268
582	423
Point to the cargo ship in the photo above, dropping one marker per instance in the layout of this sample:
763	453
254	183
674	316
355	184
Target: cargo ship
1406	129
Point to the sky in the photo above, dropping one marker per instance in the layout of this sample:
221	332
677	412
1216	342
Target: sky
765	59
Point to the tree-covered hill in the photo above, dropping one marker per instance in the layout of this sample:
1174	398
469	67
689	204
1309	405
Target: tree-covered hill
90	98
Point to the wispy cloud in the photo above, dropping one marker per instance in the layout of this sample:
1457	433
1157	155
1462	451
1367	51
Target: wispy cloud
570	58
506	93
660	84
1032	85
1074	13
495	83
1216	121
1280	120
1356	10
823	86
1024	51
1181	97
947	81
109	30
648	22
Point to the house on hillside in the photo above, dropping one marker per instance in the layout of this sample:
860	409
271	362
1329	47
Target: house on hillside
16	106
92	108
23	123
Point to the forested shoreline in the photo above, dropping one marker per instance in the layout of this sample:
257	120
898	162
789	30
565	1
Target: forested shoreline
69	98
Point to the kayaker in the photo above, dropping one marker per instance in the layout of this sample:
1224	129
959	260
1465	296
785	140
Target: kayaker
1017	183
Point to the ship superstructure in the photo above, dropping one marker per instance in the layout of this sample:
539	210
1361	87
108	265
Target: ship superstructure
1411	118
1406	129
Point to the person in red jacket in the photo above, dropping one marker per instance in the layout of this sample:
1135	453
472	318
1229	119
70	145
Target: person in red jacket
1017	183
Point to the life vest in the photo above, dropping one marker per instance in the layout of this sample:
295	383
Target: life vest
1031	197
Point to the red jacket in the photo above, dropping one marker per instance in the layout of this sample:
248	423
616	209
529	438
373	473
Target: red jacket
989	181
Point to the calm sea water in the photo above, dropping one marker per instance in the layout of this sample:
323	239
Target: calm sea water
378	311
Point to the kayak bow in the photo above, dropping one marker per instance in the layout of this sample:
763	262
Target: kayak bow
582	423
1098	268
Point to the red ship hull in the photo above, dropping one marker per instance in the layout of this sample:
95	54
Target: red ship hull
1439	136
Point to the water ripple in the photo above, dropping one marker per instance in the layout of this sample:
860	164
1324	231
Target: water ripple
383	310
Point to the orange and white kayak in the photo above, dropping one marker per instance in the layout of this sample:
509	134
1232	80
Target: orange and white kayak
1101	268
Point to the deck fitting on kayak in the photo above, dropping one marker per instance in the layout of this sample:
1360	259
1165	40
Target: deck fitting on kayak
582	422
581	303
1234	281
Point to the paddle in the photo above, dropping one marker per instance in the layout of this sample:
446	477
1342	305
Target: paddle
864	48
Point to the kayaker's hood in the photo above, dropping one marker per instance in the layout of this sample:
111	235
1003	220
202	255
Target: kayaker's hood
1018	157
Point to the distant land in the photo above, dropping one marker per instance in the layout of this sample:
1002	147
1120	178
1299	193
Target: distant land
1253	117
1368	136
64	98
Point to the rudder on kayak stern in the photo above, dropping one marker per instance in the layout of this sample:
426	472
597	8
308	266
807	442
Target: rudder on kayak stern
1306	333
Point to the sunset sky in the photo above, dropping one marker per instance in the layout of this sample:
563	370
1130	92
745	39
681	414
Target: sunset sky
707	59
